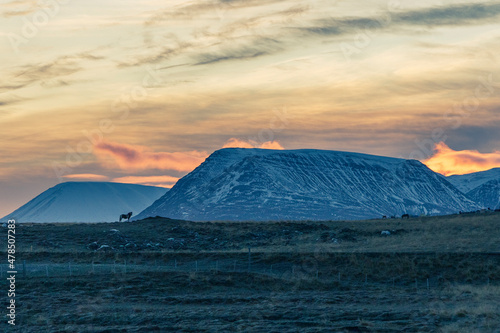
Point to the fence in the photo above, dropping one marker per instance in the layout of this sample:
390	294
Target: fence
283	270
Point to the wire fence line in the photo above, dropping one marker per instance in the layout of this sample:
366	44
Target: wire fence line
283	270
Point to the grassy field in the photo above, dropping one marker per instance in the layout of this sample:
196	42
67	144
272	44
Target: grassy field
430	274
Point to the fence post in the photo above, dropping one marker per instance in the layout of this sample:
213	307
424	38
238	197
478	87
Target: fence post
249	259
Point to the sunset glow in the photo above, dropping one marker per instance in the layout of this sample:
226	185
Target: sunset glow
447	161
129	157
162	181
86	176
237	143
151	88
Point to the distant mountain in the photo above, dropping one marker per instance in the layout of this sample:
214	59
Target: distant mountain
257	184
487	194
481	187
87	202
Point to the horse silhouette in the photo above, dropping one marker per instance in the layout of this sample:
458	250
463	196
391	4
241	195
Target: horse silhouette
405	216
126	216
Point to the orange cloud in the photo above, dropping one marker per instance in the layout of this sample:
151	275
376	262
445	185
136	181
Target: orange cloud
131	157
447	161
237	143
87	176
161	181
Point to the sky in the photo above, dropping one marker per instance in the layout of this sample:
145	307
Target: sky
143	91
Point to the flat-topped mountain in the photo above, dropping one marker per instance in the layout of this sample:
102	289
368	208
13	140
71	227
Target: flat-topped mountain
260	184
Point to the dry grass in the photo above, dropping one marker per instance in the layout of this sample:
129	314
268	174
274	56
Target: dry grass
468	308
451	234
456	253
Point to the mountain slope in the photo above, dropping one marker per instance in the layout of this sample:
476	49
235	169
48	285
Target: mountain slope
86	202
466	183
487	194
482	187
256	184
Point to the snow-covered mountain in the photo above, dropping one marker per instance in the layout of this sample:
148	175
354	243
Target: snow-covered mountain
482	187
257	184
86	202
468	182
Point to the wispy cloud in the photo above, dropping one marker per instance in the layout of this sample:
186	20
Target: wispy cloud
450	15
194	9
256	48
19	8
47	72
463	14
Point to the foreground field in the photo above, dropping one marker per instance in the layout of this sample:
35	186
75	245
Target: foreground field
428	274
237	302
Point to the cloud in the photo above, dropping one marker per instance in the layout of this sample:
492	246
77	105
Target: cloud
47	73
9	99
257	48
193	9
454	15
87	176
448	162
237	143
132	157
22	8
165	53
463	14
161	181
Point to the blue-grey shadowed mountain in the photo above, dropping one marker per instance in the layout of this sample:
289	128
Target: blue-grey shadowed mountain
482	187
258	184
86	202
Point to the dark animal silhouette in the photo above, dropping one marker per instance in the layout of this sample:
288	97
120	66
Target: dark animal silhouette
384	217
405	216
126	216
